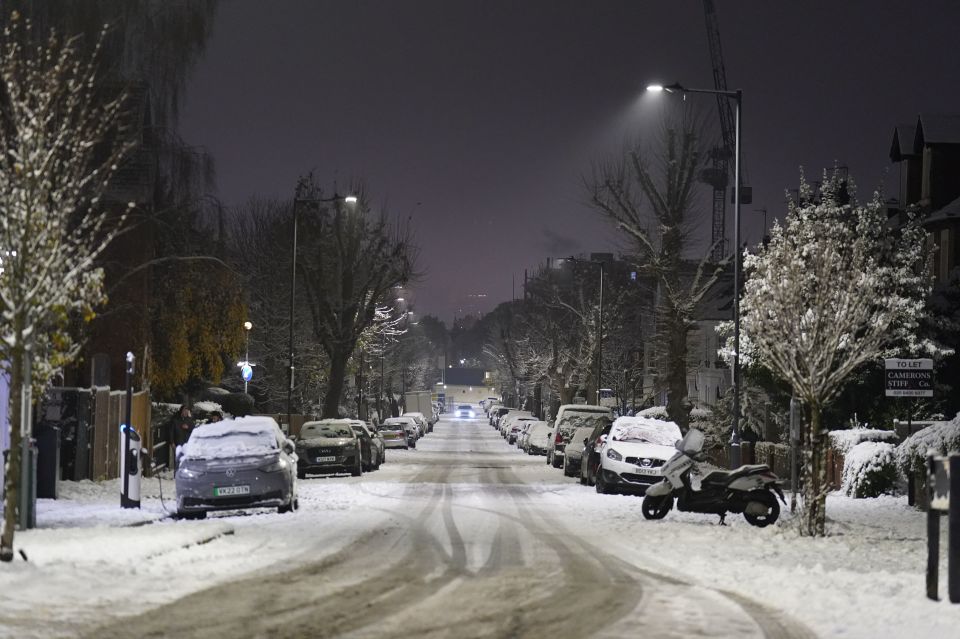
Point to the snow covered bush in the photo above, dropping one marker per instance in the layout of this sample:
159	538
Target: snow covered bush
869	469
844	440
943	437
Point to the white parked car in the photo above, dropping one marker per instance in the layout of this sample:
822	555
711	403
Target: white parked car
634	452
506	421
538	435
515	428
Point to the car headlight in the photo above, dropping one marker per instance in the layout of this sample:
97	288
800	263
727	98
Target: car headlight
189	473
614	455
274	467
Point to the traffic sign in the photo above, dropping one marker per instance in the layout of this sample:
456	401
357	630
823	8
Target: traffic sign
246	372
908	377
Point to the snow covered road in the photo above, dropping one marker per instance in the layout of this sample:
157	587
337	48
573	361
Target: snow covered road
463	537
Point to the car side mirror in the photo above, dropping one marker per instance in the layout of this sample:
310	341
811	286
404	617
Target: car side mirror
178	453
289	447
585	440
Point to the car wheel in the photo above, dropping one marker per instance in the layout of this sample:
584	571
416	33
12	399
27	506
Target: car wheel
377	465
192	515
567	468
286	508
301	474
357	470
557	463
583	480
601	485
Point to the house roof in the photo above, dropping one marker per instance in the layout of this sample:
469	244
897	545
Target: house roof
936	129
902	145
950	212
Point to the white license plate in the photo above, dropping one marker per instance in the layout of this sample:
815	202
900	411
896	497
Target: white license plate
326	459
231	490
648	471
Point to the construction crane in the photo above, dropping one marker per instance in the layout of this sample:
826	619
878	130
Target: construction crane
717	174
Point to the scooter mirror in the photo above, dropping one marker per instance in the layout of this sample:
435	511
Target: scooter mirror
678	444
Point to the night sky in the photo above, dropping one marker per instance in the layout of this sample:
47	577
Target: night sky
479	119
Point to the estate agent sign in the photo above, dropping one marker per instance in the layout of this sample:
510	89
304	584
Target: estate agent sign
909	377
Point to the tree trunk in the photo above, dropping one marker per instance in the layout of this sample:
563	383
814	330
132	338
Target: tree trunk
12	479
335	383
813	515
678	408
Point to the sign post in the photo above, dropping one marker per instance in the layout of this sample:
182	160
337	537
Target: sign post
943	484
910	378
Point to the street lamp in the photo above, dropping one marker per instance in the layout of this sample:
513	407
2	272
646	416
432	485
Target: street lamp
738	96
246	357
600	327
297	200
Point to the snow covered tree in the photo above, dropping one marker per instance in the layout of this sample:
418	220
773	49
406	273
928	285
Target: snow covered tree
649	196
61	141
835	288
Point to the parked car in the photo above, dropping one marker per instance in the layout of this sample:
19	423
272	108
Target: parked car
507	419
394	435
465	411
590	458
422	425
329	446
245	462
633	453
495	414
516	426
574	450
570	417
409	426
524	434
371	445
538	438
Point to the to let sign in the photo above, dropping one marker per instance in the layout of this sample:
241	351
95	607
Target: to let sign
909	377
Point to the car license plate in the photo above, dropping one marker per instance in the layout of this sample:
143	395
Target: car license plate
648	471
224	491
327	459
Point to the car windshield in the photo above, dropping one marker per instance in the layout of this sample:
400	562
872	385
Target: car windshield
393	428
464	408
358	429
217	443
325	430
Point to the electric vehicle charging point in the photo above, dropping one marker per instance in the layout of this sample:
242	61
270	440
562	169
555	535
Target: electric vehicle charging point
130	467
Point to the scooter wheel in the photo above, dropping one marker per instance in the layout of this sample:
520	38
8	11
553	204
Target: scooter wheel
656	507
761	508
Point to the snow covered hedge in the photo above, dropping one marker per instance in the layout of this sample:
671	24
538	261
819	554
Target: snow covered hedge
942	437
698	416
869	469
844	440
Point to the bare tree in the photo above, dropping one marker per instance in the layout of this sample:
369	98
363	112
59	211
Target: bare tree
832	291
649	196
61	143
352	258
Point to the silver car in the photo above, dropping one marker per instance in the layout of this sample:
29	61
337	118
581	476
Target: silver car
394	435
245	462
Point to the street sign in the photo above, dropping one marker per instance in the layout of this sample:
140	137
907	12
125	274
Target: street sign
246	372
908	377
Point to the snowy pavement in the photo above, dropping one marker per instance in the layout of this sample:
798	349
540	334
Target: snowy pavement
463	537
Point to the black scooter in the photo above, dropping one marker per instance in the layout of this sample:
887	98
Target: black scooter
748	489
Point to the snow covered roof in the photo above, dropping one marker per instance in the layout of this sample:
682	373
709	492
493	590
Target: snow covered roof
936	129
948	213
902	145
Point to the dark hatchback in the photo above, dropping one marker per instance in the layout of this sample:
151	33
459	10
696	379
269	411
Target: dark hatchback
328	446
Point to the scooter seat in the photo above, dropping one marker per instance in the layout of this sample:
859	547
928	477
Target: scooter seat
726	476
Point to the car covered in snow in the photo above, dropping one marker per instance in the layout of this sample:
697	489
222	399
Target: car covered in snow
515	427
245	462
538	436
634	452
423	425
569	418
329	446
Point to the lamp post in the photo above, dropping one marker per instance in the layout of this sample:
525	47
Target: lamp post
738	96
246	356
600	327
297	200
